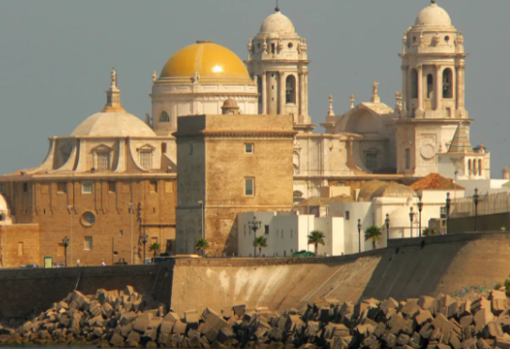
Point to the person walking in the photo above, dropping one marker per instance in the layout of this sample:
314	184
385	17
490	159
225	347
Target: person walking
103	263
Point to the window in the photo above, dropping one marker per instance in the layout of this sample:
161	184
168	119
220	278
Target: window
266	229
448	112
164	117
290	90
414	83
61	187
87	188
248	148
479	167
88	243
371	161
111	187
430	85
273	48
290	45
347	215
407	159
88	218
153	186
249	184
146	160
291	232
447	83
20	249
163	148
2	188
25	187
103	161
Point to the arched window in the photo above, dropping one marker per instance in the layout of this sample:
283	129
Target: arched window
447	83
164	117
479	167
469	167
430	85
414	83
290	90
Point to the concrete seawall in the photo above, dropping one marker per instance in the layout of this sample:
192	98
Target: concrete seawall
407	268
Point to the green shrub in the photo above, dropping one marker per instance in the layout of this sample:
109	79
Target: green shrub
497	286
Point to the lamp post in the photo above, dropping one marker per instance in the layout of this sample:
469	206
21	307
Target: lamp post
201	203
420	208
65	242
145	238
70	208
359	235
254	225
476	197
387	221
130	205
411	219
448	204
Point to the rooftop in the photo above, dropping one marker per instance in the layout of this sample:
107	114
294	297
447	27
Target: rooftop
435	181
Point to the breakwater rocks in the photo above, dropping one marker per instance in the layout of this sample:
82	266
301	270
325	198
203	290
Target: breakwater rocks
128	319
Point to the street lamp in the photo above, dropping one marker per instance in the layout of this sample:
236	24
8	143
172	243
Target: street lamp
201	203
145	238
476	197
65	242
411	219
359	235
130	205
420	208
70	208
254	225
448	204
387	221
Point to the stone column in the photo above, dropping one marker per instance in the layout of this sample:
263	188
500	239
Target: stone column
305	94
439	88
301	93
461	100
281	94
420	90
264	92
405	90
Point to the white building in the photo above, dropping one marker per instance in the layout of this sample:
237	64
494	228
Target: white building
287	233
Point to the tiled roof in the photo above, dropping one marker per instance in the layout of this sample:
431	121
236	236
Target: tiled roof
460	142
435	181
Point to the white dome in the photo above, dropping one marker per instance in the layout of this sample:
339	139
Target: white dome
400	218
113	124
277	23
434	15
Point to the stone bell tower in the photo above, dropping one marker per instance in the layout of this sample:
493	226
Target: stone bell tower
277	60
433	91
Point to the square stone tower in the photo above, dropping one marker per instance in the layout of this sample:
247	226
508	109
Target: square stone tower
229	164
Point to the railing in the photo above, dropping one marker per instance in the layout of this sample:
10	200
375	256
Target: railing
489	203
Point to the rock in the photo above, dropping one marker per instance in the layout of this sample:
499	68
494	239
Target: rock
482	318
227	312
117	340
179	327
171	317
422	317
191	320
142	322
239	309
498	305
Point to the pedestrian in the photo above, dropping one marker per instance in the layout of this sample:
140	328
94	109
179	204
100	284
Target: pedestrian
103	263
77	262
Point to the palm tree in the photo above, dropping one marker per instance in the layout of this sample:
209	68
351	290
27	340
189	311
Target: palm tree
373	233
201	245
316	237
429	232
155	247
260	242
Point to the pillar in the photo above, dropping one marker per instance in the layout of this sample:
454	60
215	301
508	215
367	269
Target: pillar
461	101
420	90
264	92
405	87
305	94
439	88
281	94
301	93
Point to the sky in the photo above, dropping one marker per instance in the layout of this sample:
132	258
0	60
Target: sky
56	57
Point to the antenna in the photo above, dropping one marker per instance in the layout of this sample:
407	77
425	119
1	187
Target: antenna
277	8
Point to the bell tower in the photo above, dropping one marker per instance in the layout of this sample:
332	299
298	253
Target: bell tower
278	62
433	91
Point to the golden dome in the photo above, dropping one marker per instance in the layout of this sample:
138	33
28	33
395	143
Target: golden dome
208	60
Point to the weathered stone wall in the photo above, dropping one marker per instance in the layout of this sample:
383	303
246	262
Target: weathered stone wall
19	245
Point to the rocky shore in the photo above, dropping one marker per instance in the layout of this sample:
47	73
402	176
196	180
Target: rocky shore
129	320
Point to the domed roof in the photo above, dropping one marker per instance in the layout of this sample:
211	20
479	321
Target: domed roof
207	59
113	124
393	190
434	15
400	217
367	189
277	23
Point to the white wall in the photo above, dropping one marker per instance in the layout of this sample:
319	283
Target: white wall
356	210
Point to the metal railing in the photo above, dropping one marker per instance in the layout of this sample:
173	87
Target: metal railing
488	203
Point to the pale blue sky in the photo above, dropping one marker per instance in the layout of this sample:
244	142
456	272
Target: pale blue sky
56	55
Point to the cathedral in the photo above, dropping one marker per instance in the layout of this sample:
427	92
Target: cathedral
111	186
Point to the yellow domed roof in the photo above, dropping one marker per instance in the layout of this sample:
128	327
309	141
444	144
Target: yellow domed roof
207	59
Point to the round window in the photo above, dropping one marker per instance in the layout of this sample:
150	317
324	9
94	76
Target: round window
447	38
88	218
290	45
